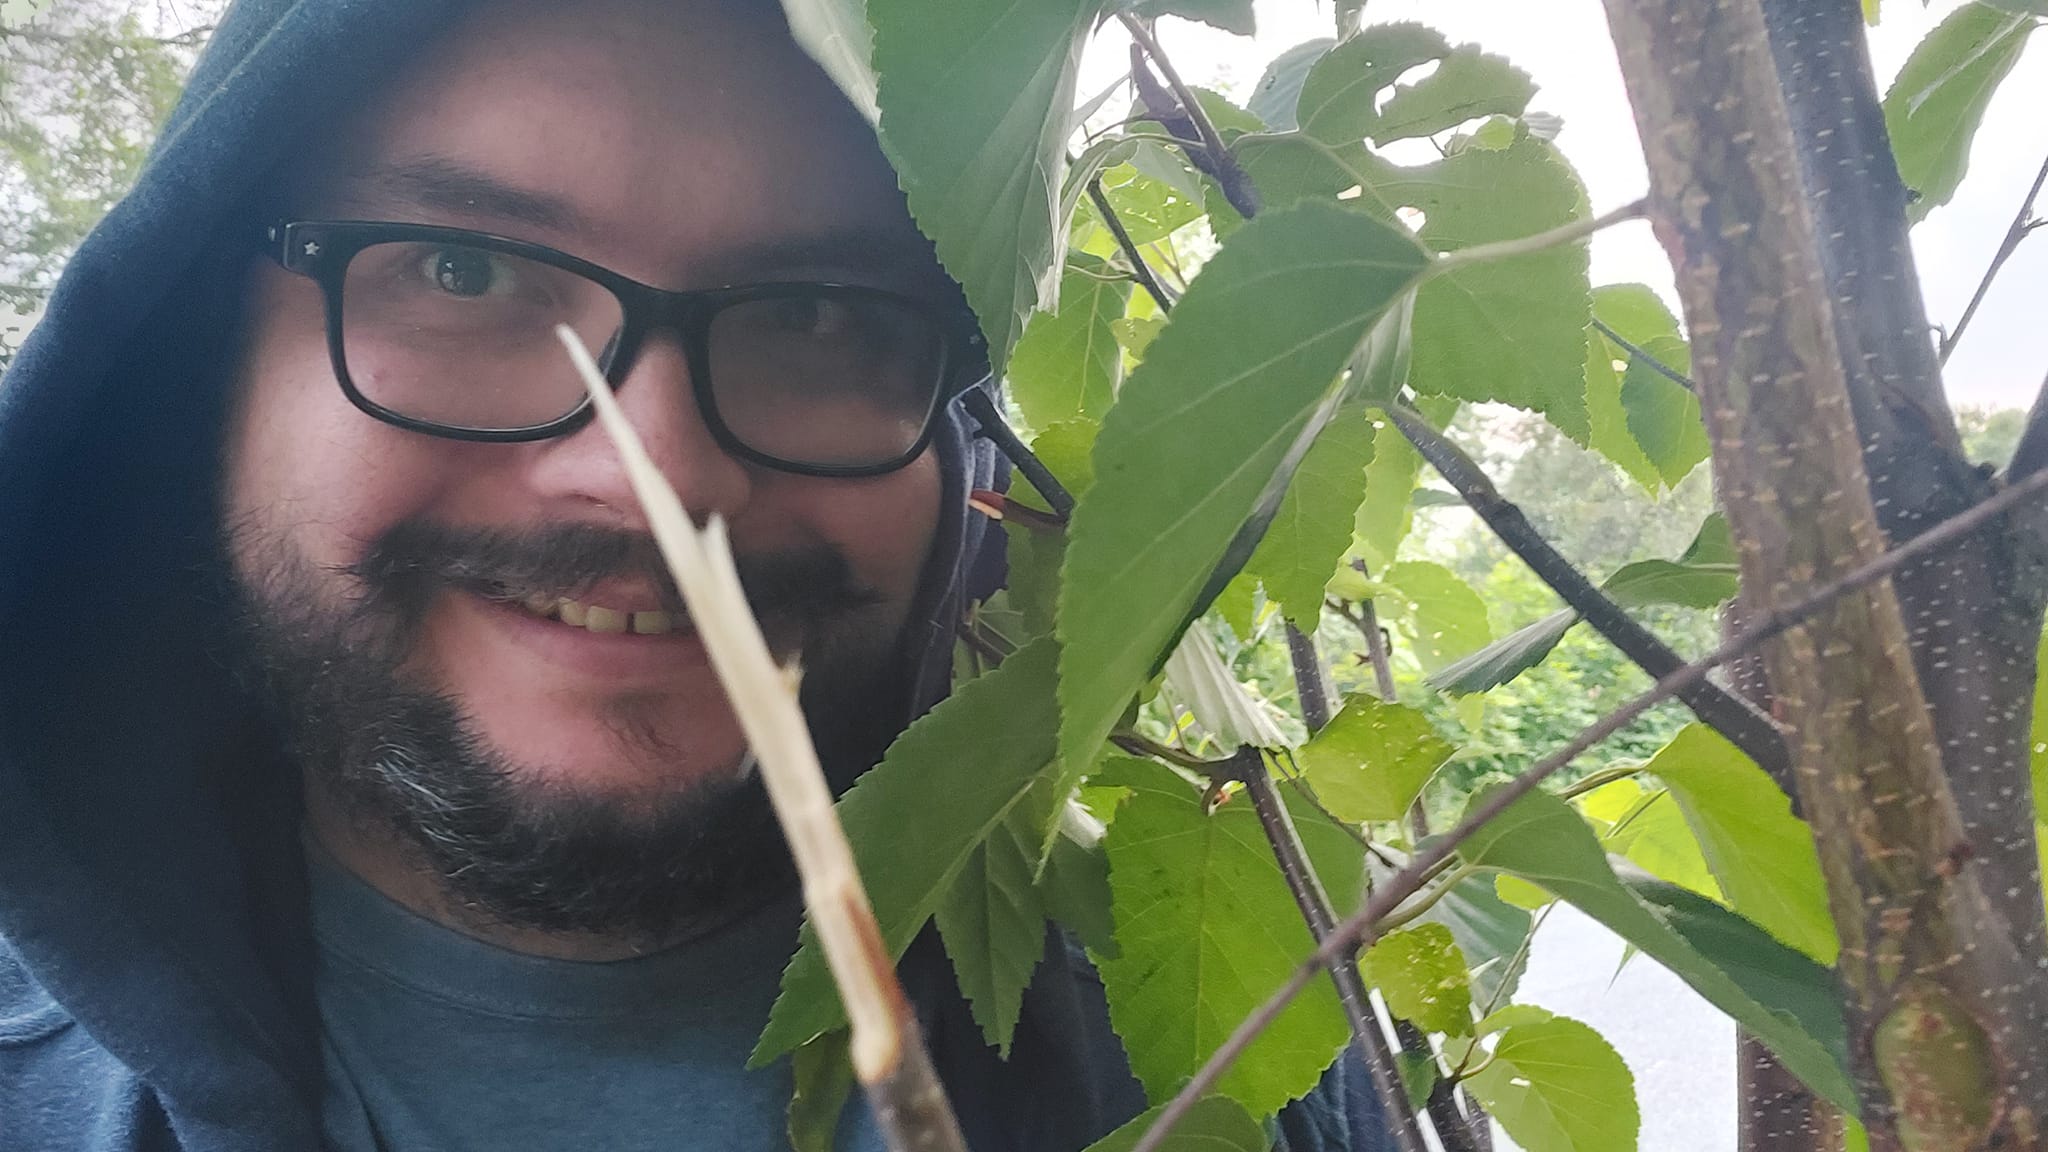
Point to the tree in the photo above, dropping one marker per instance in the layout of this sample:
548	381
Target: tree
82	88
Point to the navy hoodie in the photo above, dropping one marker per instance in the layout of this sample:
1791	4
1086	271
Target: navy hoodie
155	954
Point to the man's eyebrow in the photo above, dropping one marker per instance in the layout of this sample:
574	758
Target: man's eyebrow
862	252
438	183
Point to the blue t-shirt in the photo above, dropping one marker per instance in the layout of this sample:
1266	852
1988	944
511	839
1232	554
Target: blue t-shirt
435	1041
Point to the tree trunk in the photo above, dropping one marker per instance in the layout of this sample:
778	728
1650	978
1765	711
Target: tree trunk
1945	1004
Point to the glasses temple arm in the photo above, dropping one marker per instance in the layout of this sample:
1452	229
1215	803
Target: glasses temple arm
982	406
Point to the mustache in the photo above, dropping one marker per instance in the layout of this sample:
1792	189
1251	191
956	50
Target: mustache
417	558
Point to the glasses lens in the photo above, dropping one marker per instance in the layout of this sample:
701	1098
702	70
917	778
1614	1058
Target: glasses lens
464	336
831	377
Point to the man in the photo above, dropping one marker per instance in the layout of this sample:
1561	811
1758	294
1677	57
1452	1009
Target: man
362	781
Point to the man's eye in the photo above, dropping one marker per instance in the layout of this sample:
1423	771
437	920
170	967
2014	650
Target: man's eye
469	272
814	316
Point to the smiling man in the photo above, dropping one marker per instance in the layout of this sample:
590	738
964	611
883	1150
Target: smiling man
362	782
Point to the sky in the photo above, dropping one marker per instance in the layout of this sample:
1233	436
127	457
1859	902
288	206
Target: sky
1564	45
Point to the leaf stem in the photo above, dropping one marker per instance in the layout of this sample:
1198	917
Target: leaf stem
2023	224
1638	352
1728	714
1362	925
1557	237
1600	779
1309	895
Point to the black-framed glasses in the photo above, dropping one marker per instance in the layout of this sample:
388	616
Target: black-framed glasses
451	332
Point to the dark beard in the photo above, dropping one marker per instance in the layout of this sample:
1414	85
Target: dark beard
510	847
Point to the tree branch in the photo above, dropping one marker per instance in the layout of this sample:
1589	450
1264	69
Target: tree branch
1359	927
1725	712
1309	687
1207	150
1139	268
1249	767
2023	225
982	407
1638	352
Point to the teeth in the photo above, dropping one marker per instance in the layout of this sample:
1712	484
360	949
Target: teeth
600	619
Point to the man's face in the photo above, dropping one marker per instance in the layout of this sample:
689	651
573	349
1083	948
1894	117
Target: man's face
685	145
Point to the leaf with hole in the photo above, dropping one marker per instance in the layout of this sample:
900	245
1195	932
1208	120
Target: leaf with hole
1511	331
1422	976
1204	438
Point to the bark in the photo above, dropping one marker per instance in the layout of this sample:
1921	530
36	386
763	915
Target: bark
1945	1008
1973	615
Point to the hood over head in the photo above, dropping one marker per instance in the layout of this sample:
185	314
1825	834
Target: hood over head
150	879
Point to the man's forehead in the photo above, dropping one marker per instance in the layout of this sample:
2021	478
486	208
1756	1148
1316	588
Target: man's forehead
699	142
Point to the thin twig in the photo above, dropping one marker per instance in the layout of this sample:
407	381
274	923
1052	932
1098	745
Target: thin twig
1357	929
1314	903
1638	352
1309	688
1557	237
1139	268
887	1049
1727	713
1139	745
2023	224
982	407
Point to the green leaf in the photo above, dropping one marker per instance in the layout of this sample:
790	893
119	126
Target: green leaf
1074	886
1419	1074
2023	7
1339	102
2038	752
1607	420
1423	977
1238	604
1504	659
1214	1124
1659	416
1440	615
1763	856
1786	980
1540	839
1207	930
1934	107
1467	84
1205	436
1648	829
835	33
1668	582
1557	1086
1372	759
980	149
1712	544
1289	167
1229	15
1069	362
824	1079
1278	91
1384	517
1151	209
1003	724
992	920
1663	415
1512	331
1305	544
1490	934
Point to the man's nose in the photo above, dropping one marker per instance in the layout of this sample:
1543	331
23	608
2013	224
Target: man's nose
584	468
